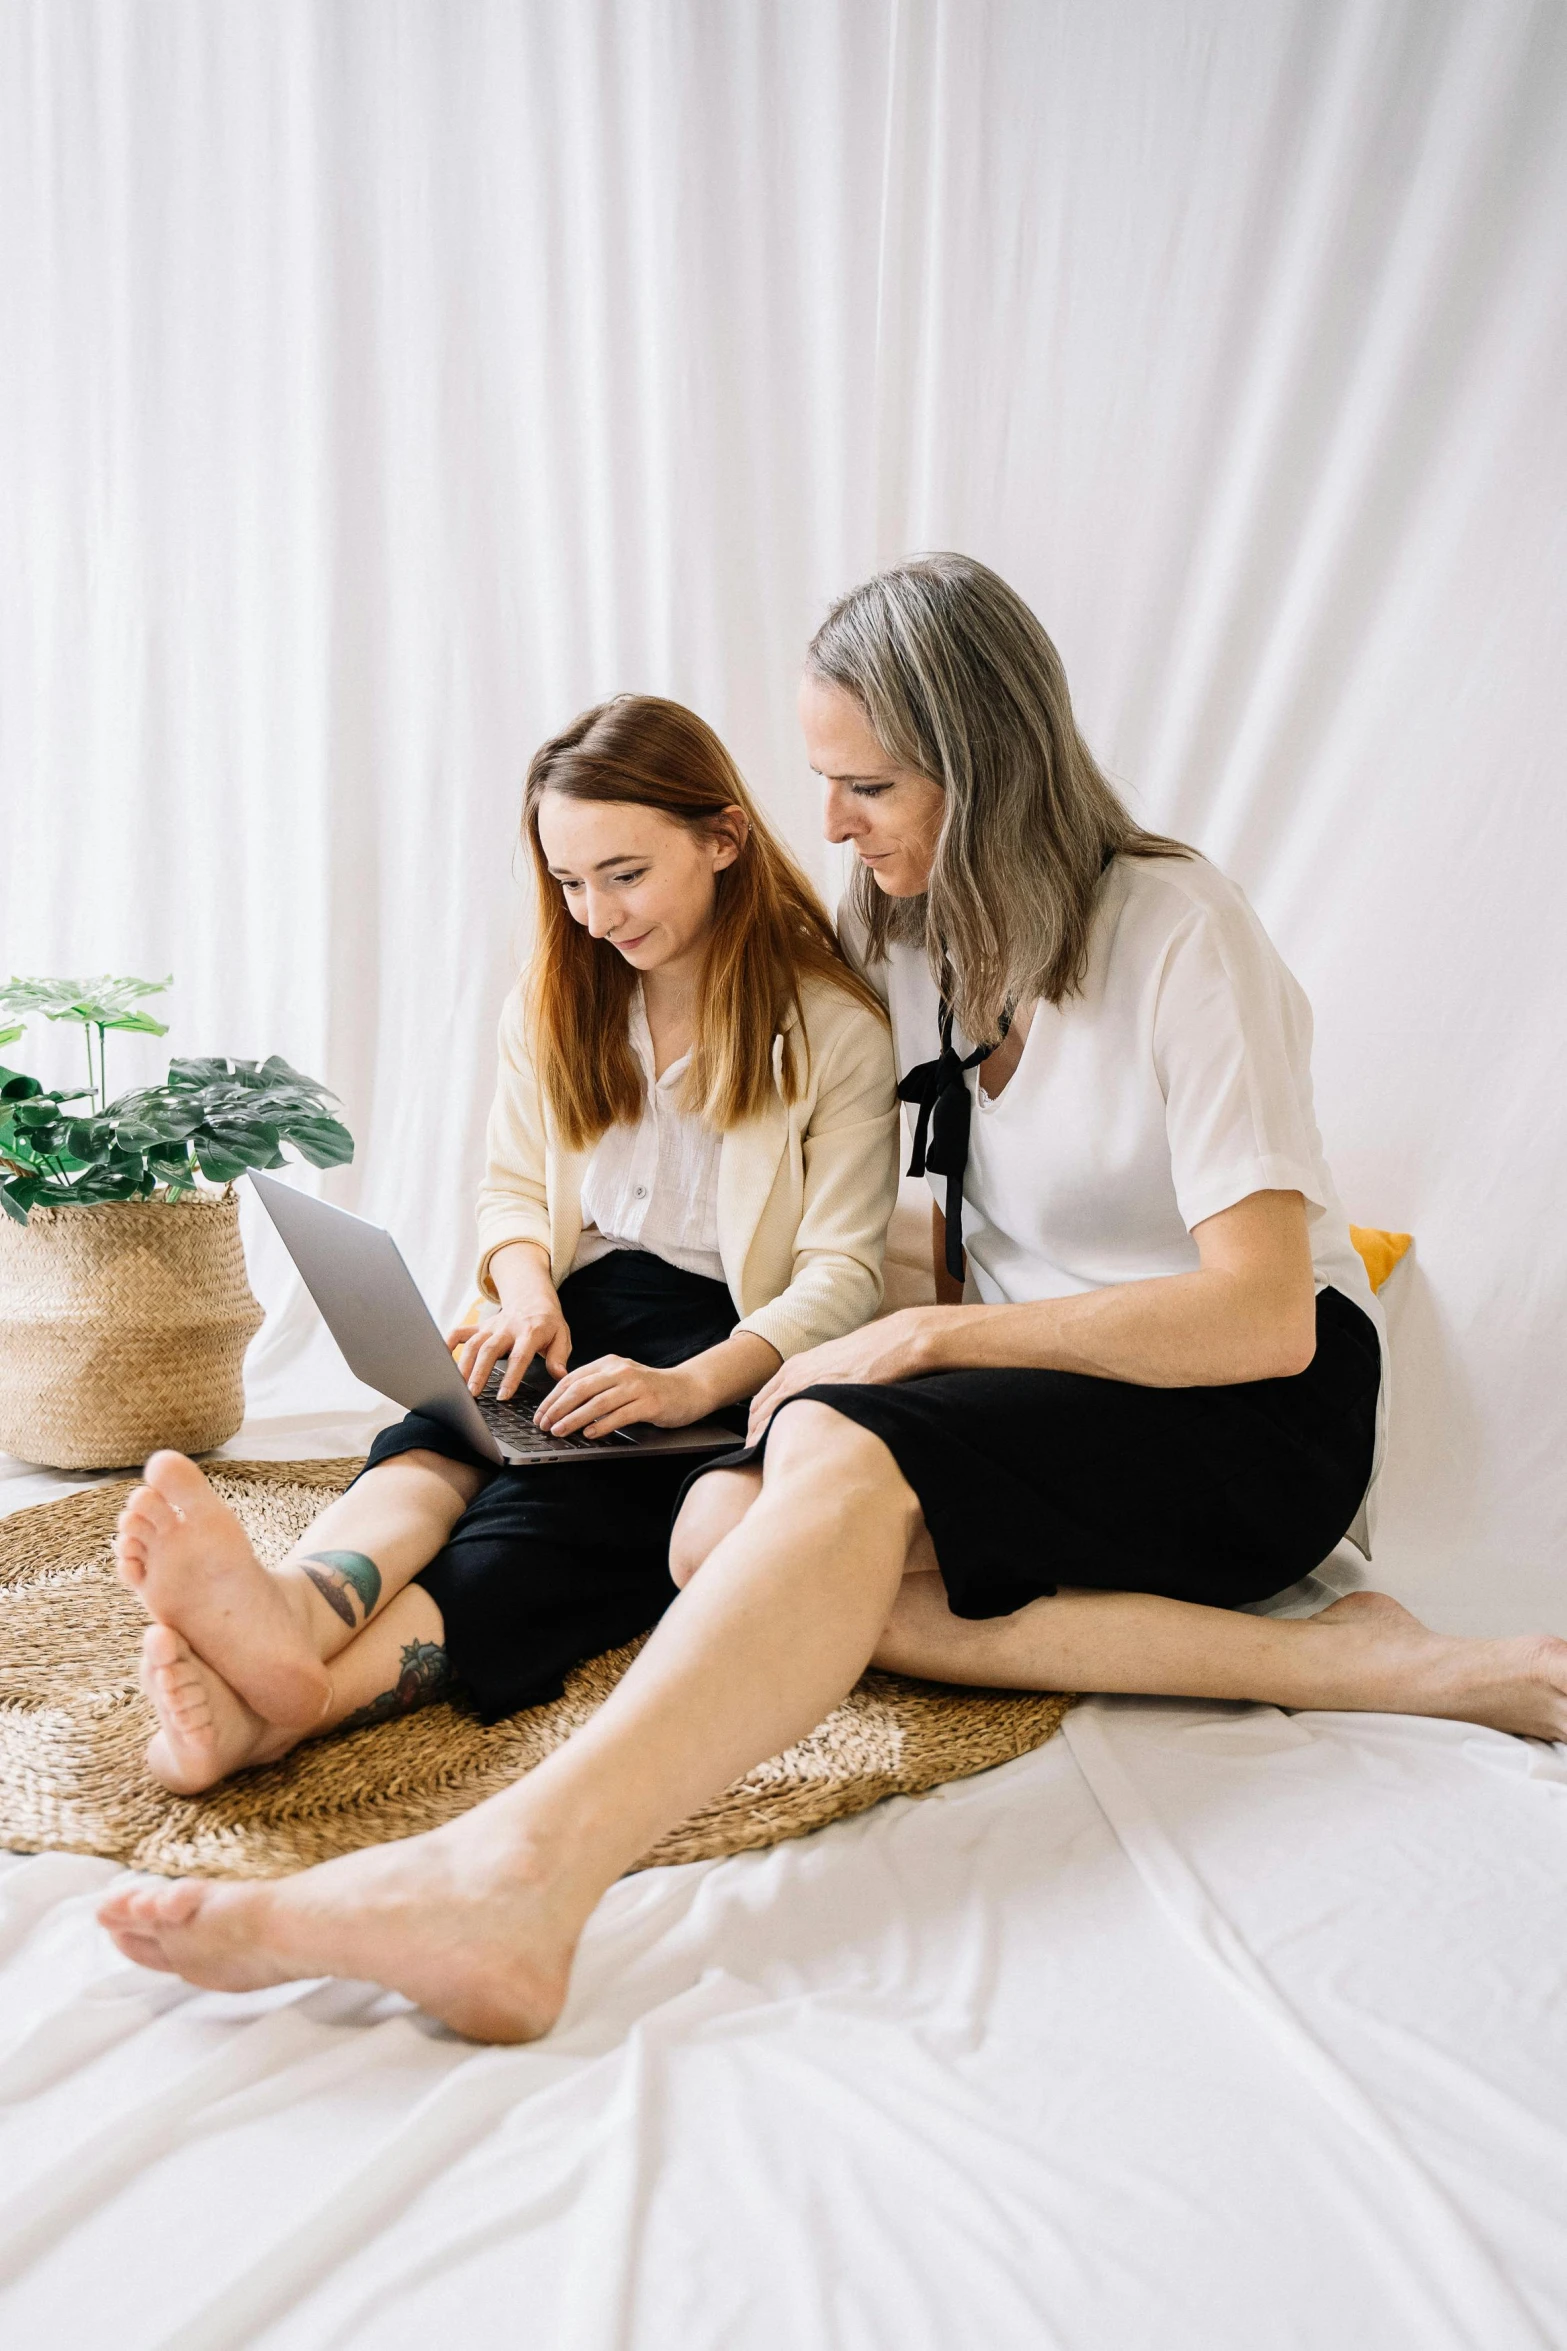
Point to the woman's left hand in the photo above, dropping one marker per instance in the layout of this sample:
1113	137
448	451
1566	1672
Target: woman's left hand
877	1355
612	1392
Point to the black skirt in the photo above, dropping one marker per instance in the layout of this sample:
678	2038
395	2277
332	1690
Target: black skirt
1033	1479
549	1566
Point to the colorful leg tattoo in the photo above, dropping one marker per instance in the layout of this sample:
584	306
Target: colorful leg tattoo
343	1577
426	1675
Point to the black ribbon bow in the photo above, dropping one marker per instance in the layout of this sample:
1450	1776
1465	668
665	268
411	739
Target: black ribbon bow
942	1128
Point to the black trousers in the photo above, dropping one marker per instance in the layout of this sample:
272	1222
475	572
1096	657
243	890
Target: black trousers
549	1566
1033	1479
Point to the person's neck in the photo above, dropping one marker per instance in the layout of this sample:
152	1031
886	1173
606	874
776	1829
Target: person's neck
998	1069
670	997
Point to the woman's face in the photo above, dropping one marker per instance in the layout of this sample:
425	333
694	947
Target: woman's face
636	877
891	814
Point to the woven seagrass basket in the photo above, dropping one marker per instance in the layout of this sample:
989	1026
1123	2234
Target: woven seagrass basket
122	1328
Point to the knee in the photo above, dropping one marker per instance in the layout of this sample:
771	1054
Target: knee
715	1505
811	1440
461	1479
688	1547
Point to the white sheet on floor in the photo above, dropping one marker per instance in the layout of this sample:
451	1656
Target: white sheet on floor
1203	2029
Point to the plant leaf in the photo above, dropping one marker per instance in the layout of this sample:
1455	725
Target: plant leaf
324	1142
251	1146
142	1022
213	1119
277	1071
99	1003
220	1166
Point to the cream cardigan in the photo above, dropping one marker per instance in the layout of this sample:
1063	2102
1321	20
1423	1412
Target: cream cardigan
805	1189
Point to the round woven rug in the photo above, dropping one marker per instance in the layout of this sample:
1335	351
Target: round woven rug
73	1725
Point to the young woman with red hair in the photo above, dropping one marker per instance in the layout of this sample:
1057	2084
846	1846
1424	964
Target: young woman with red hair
692	1162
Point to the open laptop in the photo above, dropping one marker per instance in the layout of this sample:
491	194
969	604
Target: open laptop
372	1307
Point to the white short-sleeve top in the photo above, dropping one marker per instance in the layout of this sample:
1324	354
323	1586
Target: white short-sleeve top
1176	1082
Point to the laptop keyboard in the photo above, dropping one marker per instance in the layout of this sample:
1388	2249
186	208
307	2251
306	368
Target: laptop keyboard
512	1422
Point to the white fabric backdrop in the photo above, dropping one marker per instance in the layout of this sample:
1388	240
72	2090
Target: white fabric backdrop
381	382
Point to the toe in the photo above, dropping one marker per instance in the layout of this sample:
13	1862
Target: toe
173	1904
178	1483
188	1701
131	1914
162	1647
142	1910
143	1950
147	1513
173	1678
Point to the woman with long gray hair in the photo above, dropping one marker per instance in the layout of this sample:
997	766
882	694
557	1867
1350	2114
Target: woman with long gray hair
1156	1366
1150	1391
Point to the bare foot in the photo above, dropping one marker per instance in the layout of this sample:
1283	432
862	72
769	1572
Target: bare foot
188	1559
1514	1684
1511	1685
456	1919
205	1731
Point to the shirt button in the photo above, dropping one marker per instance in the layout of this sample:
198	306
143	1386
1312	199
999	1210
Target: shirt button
640	1193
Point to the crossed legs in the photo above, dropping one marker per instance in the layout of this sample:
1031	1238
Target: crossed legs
478	1920
241	1662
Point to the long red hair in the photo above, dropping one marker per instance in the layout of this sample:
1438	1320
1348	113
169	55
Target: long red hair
770	932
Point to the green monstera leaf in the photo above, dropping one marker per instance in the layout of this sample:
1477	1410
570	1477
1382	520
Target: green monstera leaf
210	1122
94	1005
99	1004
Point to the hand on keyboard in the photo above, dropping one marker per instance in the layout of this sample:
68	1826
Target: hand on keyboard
614	1393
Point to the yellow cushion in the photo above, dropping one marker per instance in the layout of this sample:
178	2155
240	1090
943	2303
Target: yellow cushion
1381	1251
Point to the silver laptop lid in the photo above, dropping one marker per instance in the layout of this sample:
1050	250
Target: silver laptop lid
371	1305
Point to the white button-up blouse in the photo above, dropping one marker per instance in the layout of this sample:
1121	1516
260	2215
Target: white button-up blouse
654	1185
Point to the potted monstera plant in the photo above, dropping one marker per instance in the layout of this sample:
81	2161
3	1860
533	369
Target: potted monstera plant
124	1307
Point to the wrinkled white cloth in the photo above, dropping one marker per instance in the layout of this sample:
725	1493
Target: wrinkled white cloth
1204	2027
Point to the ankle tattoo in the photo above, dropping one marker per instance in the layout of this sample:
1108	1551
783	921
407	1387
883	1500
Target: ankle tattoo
343	1577
425	1676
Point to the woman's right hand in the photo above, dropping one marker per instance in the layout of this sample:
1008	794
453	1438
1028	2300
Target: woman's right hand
528	1322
